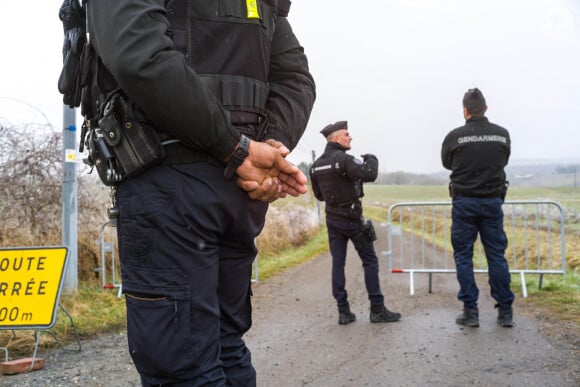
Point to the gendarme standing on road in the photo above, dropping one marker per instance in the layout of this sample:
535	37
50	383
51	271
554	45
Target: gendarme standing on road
477	154
337	179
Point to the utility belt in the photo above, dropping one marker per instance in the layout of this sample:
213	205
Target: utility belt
499	193
352	211
177	153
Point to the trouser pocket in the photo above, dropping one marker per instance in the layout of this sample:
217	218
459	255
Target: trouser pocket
158	334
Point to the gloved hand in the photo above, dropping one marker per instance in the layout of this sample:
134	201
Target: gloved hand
72	16
368	155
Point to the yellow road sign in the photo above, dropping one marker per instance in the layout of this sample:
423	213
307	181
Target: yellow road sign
30	284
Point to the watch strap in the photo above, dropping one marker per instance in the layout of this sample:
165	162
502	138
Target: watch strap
238	157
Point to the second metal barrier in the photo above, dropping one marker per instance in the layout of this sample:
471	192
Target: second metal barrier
419	239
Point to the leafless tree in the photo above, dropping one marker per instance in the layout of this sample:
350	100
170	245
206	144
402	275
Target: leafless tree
31	187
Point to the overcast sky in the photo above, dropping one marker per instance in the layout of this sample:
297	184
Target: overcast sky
396	70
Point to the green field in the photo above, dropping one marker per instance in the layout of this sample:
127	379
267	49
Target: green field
569	197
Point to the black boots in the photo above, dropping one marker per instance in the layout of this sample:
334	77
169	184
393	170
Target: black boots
469	318
378	314
505	316
345	316
382	314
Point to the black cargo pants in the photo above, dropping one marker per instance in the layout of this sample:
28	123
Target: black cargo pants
186	245
340	231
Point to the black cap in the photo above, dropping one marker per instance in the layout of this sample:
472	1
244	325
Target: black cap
328	129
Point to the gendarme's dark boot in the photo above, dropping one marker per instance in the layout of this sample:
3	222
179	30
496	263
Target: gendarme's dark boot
345	316
505	316
469	318
381	314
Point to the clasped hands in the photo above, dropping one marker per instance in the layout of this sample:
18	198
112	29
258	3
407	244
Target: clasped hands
266	175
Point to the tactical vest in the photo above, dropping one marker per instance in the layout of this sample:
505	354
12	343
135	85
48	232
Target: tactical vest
337	189
237	73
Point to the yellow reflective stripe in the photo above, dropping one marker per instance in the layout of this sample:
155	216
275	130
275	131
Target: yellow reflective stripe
252	6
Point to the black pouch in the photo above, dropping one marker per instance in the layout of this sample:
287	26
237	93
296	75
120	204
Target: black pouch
370	231
364	239
504	190
123	143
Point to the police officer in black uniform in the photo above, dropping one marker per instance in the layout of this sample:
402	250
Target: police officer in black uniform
226	83
477	154
337	179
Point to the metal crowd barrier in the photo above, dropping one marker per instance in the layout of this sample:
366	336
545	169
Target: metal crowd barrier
107	241
419	239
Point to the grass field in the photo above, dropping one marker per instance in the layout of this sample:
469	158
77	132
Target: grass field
569	197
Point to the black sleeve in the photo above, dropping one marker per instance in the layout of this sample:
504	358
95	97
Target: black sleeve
509	148
292	88
365	171
446	158
315	188
130	38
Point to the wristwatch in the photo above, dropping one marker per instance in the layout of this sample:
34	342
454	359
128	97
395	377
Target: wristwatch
238	157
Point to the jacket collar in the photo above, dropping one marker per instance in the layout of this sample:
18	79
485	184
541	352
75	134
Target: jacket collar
477	119
334	146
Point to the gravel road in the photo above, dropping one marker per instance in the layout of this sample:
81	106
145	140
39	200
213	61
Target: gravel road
296	341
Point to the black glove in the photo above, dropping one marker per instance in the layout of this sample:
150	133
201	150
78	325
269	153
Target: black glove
367	156
73	19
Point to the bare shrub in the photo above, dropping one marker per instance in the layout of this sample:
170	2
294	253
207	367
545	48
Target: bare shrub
31	192
27	184
286	227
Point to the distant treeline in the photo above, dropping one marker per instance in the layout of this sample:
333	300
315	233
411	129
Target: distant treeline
398	178
407	178
540	175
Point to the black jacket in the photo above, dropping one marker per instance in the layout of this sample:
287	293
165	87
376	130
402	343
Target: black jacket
134	41
337	178
476	154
